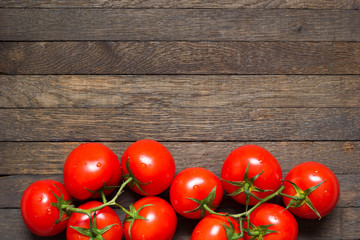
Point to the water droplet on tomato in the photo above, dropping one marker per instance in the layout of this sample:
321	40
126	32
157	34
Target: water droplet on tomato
143	165
142	237
39	199
49	211
196	187
98	164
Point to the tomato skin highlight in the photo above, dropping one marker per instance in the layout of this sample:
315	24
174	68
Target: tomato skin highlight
259	160
104	217
324	198
151	164
161	220
211	228
194	183
37	212
283	222
90	166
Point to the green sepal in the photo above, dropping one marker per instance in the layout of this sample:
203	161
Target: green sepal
61	205
101	191
133	215
302	197
246	186
208	201
94	233
103	188
230	231
134	181
83	231
258	232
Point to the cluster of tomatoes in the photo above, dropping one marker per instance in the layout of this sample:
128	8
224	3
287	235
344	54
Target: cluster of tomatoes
250	175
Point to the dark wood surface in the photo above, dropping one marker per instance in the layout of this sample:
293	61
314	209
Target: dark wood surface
202	77
180	24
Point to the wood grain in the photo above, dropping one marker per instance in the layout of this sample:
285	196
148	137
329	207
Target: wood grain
27	91
48	158
180	57
179	25
268	4
180	124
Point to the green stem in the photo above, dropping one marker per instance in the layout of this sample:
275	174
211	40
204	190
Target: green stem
207	208
289	196
103	197
91	226
124	210
247	213
112	202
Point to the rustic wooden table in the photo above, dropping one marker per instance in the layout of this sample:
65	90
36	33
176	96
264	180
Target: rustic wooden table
202	77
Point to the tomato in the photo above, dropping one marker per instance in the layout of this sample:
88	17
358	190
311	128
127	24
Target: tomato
160	223
212	227
192	188
104	217
280	219
152	167
264	173
323	198
88	167
36	209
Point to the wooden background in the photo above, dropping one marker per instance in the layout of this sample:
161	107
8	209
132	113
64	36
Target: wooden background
203	77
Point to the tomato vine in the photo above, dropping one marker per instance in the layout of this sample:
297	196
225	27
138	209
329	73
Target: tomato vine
194	193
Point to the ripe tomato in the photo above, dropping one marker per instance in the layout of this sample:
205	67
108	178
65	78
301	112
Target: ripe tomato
36	209
324	198
213	227
264	173
281	221
192	188
160	223
88	167
152	167
104	218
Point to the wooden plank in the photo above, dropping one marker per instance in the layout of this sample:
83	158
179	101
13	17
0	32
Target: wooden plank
14	186
49	157
327	228
28	91
180	124
179	25
180	57
268	4
350	223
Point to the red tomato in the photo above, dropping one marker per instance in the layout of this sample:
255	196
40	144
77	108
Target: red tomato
160	223
151	164
258	160
195	184
212	227
89	167
104	217
36	209
282	221
323	198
